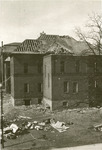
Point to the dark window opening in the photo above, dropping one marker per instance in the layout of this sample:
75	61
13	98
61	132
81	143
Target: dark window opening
66	87
26	88
77	66
8	70
39	68
26	102
65	103
39	100
40	87
25	68
95	67
48	80
62	66
45	70
75	87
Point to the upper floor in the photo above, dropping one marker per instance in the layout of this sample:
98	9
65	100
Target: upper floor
77	65
26	64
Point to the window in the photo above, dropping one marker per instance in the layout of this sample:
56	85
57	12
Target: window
62	66
86	68
45	70
26	88
75	87
25	68
48	80
77	66
27	102
66	87
95	67
95	84
39	68
65	103
40	87
39	100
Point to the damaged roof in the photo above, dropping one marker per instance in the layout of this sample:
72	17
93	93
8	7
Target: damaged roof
47	43
29	45
44	43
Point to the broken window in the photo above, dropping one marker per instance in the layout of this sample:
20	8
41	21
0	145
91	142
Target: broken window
66	87
75	87
26	88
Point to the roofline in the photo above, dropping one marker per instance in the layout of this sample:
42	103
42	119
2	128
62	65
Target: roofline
13	44
23	53
50	55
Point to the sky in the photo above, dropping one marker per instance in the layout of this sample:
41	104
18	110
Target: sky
26	19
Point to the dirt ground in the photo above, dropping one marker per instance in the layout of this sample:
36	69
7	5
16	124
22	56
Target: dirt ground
80	122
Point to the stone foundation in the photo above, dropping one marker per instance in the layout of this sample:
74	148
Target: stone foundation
19	102
56	104
47	103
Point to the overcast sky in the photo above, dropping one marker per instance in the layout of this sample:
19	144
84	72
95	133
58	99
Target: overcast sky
26	19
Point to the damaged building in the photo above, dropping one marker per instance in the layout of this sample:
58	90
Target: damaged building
54	70
73	81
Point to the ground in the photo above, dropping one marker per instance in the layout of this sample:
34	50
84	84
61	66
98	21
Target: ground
80	122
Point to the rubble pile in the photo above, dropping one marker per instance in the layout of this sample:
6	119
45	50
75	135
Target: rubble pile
22	125
98	127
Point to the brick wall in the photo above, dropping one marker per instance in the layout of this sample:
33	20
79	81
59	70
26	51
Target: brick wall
71	74
32	77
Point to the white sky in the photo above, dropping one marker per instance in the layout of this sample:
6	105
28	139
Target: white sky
26	19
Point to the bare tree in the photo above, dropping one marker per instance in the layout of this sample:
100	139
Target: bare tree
93	34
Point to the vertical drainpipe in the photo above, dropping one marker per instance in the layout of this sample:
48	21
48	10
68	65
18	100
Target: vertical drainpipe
2	64
51	81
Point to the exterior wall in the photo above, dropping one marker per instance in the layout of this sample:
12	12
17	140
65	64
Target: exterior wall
19	78
12	76
47	81
33	95
83	77
70	75
70	97
7	77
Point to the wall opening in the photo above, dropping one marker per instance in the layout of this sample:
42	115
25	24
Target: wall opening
39	100
65	104
27	102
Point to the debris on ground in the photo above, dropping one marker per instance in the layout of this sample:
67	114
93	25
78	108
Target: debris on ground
23	117
98	127
69	123
14	128
59	126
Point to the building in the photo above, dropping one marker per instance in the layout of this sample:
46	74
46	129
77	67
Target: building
26	73
7	78
26	78
72	81
5	51
26	63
